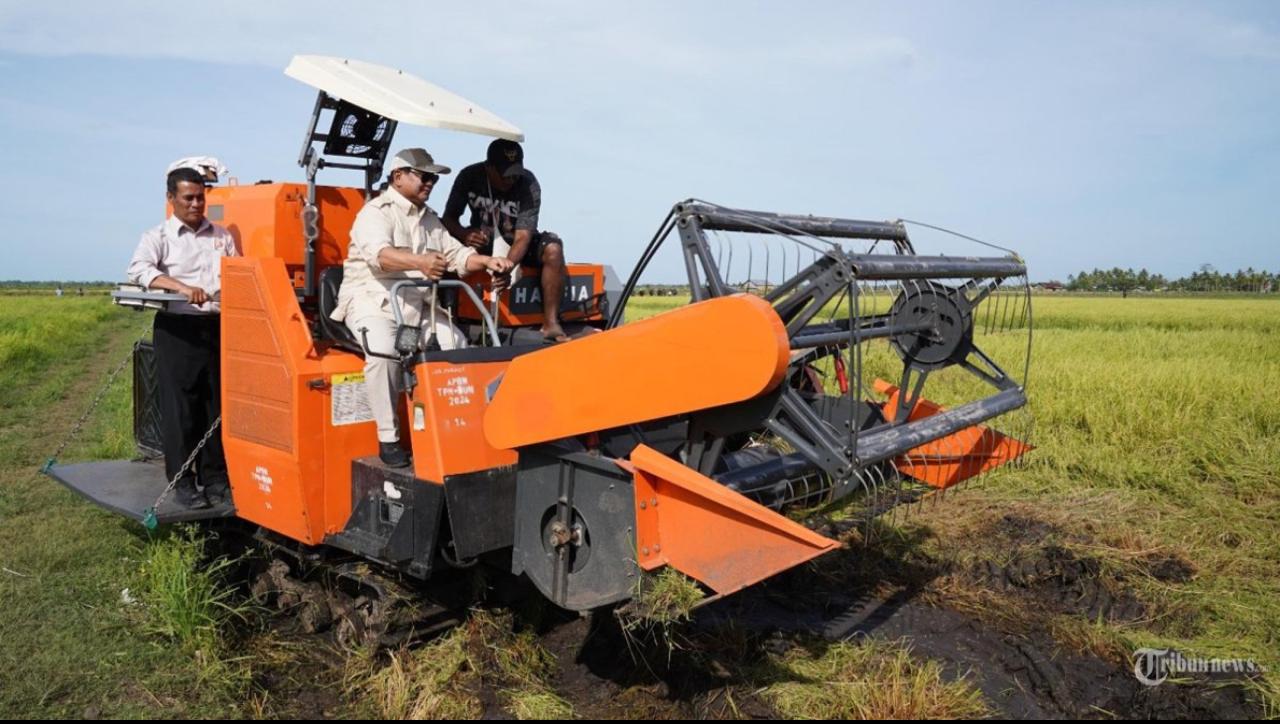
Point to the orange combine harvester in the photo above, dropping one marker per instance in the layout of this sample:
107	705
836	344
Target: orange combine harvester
718	417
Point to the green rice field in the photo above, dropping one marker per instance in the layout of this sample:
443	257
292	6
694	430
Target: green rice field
1157	439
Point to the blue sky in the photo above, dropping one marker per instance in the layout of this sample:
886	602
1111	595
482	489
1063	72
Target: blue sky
1080	134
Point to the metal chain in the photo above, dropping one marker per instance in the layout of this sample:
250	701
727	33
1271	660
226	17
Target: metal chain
97	400
149	517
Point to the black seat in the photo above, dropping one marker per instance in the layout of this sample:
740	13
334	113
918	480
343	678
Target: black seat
336	332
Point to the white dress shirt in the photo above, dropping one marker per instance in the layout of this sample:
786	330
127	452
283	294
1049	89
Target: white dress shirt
193	257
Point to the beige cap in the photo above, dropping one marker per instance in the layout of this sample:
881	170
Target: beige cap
417	159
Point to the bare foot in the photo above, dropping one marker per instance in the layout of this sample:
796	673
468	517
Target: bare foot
554	333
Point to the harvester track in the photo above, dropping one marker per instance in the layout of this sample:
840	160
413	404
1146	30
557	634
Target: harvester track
359	603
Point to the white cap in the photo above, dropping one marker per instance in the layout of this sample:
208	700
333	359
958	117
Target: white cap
417	159
207	166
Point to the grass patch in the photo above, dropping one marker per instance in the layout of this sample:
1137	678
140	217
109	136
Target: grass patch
663	599
868	680
650	621
452	676
539	705
69	647
185	595
434	681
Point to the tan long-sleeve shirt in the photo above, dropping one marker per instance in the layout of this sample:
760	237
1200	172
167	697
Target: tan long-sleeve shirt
392	220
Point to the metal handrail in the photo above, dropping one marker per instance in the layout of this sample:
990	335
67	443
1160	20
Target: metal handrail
484	313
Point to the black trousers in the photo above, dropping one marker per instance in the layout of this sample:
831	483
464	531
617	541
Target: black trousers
187	368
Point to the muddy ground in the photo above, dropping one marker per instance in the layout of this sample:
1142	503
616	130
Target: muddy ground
990	618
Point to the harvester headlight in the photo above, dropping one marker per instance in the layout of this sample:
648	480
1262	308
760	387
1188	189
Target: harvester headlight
407	338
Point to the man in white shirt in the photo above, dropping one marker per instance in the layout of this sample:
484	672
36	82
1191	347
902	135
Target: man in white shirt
396	236
184	255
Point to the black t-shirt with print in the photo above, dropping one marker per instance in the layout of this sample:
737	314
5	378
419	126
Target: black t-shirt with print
507	211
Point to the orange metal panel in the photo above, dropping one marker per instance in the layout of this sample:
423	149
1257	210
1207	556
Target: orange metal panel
956	457
342	443
446	420
522	307
276	397
704	355
708	532
290	467
266	219
258	415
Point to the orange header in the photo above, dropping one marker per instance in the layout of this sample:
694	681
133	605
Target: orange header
704	355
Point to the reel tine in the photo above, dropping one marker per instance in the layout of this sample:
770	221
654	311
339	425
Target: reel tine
728	274
1004	318
767	271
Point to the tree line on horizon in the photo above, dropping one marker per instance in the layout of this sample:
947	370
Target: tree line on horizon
1206	279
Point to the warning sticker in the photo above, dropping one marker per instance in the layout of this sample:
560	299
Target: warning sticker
350	401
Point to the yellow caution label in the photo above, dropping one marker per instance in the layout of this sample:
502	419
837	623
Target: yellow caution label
349	403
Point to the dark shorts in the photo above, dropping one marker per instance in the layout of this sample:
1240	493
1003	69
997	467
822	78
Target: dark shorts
532	255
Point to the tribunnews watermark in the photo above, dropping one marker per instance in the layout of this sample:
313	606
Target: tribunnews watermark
1154	666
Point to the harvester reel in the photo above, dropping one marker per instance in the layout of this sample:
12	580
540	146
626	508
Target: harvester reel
853	291
950	338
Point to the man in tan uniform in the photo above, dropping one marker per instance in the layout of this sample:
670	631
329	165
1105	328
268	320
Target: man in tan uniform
396	236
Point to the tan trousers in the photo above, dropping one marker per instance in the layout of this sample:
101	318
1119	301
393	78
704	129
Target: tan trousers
383	377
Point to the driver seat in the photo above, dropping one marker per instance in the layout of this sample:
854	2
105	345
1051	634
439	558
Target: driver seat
336	332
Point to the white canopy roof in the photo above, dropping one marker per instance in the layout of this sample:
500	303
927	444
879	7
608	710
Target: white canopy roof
397	95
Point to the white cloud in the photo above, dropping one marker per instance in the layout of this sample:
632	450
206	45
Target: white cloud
520	37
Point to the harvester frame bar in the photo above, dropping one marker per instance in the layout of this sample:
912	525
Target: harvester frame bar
885	267
721	219
836	334
886	442
312	160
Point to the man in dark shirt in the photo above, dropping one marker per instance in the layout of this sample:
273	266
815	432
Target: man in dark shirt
504	199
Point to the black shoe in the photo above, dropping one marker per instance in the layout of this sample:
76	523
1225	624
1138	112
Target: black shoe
186	495
218	493
392	455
